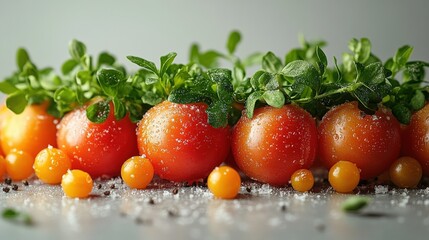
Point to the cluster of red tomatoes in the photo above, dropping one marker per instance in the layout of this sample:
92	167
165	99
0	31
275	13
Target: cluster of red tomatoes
175	141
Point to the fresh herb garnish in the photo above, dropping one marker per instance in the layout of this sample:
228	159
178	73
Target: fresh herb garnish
354	203
16	216
303	77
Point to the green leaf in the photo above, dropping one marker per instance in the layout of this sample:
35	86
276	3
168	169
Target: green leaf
119	109
98	112
86	61
271	63
7	88
415	71
83	77
256	79
223	79
22	58
77	50
233	40
64	94
166	61
217	114
68	66
274	98
321	56
30	69
339	74
194	53
417	101
294	54
105	58
354	204
361	49
253	59
209	59
304	75
148	65
109	80
402	55
17	102
238	74
402	113
184	95
151	98
373	74
10	213
251	101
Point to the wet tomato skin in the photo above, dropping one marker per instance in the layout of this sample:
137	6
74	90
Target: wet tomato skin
275	143
372	142
180	142
415	138
98	149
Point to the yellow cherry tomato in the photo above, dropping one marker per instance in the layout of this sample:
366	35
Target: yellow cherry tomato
302	180
77	184
224	182
19	165
137	172
344	176
405	172
51	164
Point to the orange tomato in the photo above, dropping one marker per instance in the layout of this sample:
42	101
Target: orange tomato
224	182
31	131
19	165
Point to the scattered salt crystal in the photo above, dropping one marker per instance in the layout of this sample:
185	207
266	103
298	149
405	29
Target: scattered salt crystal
380	189
265	189
301	196
404	201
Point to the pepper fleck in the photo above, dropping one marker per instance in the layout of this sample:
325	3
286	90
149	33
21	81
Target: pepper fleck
112	186
25	183
6	189
99	186
321	227
248	189
15	187
106	193
151	201
283	208
172	213
8	181
175	191
140	220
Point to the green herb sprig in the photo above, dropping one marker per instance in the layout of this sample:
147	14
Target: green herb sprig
16	216
303	77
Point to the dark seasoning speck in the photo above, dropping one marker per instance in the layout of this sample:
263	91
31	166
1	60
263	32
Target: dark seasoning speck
8	181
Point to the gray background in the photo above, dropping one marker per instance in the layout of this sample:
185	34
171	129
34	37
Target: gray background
153	28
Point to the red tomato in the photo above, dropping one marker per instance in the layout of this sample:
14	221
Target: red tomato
275	143
372	142
415	138
98	149
180	143
31	131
